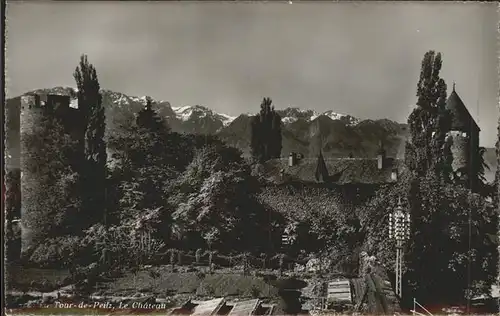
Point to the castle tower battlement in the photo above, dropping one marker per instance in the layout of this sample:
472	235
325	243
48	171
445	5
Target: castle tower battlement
51	102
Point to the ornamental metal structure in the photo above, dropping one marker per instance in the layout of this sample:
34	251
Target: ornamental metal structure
399	230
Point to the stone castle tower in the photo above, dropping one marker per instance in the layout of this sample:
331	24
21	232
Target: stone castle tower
463	141
33	109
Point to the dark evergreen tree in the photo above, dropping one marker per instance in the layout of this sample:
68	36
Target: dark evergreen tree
266	133
94	166
149	119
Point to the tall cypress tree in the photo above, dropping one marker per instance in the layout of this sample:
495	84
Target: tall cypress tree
94	165
266	133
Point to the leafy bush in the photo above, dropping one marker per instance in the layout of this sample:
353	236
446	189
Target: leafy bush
58	252
439	229
124	244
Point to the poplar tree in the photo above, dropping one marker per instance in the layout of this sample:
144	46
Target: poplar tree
266	136
94	147
429	121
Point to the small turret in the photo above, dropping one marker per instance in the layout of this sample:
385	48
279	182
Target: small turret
462	139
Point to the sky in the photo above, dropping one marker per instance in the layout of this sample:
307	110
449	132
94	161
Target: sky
355	58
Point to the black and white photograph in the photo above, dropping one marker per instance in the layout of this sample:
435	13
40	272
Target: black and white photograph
251	158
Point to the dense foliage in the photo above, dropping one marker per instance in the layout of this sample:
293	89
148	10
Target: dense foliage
266	136
143	166
189	191
318	220
215	207
452	249
12	202
439	230
459	229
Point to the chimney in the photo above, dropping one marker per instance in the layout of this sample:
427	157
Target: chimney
292	159
381	157
394	175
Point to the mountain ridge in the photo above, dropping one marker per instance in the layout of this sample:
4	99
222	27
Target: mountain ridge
304	130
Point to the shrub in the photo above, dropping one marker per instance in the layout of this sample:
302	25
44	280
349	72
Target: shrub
59	251
123	243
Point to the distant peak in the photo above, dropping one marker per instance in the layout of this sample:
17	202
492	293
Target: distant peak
185	113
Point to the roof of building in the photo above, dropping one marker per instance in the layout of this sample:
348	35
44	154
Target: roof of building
221	306
461	119
244	308
339	170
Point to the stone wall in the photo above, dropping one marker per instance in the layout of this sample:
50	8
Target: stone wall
31	117
460	149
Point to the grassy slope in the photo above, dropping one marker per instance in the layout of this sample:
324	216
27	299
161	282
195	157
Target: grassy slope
168	283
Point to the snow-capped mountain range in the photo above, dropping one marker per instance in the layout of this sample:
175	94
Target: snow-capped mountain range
293	114
305	131
185	113
197	112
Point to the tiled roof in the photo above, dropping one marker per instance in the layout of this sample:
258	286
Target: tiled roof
208	307
244	308
339	291
340	170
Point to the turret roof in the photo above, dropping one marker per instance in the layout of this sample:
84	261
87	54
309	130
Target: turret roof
461	119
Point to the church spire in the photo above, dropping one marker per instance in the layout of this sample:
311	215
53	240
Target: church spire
454	86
